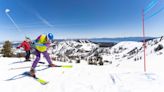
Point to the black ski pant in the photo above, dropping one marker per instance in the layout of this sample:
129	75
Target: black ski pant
27	57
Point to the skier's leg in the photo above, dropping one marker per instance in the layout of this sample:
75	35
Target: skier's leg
37	53
32	71
28	55
46	55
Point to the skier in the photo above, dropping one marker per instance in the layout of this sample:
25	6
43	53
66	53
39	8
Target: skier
41	45
26	45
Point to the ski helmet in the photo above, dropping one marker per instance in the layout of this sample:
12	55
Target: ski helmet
50	36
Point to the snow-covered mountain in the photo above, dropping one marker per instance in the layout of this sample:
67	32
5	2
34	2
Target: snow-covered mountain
85	50
92	53
73	49
132	50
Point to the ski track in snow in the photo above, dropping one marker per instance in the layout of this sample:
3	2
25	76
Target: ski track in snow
81	78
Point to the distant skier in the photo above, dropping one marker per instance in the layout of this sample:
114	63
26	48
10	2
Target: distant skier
41	44
26	45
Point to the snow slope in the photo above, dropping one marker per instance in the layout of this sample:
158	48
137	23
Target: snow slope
123	75
128	77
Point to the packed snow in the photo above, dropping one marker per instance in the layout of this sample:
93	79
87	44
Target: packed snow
124	74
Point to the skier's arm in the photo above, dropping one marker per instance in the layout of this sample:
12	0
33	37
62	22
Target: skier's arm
35	42
21	45
38	44
37	39
48	44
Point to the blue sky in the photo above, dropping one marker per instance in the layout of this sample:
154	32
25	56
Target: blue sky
78	18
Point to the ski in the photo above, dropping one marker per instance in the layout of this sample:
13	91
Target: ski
63	66
41	81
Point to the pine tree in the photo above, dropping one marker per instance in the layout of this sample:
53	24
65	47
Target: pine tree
6	51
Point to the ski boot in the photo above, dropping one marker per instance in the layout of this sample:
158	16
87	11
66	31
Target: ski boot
52	65
32	72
